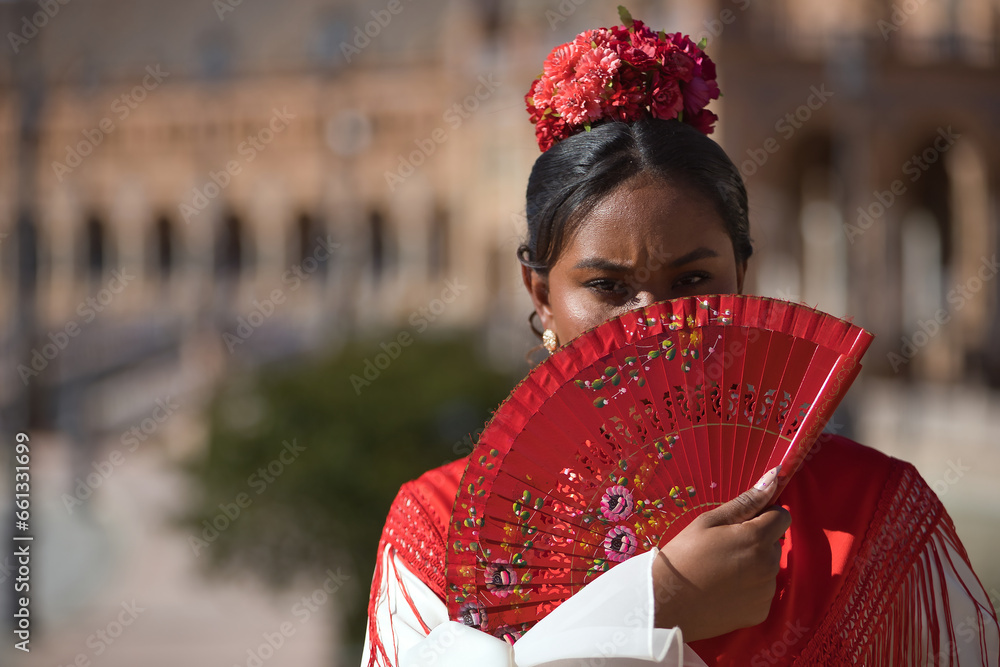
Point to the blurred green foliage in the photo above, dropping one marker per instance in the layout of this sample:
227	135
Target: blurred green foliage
325	509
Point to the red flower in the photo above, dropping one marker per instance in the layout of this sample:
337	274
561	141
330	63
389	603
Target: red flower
621	74
665	98
550	130
698	93
702	121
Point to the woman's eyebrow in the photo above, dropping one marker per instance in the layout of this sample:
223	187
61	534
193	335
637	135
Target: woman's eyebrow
694	255
602	264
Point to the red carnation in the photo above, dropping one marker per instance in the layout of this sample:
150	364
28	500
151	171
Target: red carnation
665	98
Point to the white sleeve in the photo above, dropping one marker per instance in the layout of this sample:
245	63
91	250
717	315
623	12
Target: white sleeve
610	618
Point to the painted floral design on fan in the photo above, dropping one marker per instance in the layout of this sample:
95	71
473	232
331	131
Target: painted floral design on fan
473	615
501	579
628	372
678	495
617	503
620	543
663	447
620	376
509	633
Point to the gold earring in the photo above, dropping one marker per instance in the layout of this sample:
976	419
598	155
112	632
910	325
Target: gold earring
549	340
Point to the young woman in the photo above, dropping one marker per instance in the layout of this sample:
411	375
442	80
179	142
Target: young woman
628	205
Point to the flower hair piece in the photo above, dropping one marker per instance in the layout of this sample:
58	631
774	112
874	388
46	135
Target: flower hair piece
622	73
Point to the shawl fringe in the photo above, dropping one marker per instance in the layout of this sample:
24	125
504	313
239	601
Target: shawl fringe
416	534
894	607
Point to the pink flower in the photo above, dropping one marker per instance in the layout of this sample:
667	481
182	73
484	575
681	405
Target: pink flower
620	543
562	60
500	579
598	66
617	503
473	615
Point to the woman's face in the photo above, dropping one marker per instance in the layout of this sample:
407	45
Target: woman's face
647	241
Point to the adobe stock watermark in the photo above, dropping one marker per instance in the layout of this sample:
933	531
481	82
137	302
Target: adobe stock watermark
454	116
901	13
30	27
258	482
466	444
121	107
130	440
87	309
562	13
293	278
927	329
638	618
714	27
302	610
6	569
786	126
952	476
914	168
381	18
248	149
223	7
420	320
101	640
897	532
968	630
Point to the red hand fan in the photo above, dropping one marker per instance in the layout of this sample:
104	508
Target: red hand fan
617	441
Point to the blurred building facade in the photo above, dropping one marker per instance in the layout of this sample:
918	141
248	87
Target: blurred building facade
261	179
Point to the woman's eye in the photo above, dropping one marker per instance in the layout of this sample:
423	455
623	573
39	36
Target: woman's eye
693	279
608	286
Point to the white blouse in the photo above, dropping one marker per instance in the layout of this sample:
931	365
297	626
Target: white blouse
610	621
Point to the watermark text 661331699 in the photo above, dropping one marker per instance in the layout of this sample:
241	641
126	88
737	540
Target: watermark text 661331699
22	542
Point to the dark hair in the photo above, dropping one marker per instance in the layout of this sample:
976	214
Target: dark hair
573	176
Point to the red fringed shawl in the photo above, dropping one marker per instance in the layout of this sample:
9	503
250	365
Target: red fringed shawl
855	586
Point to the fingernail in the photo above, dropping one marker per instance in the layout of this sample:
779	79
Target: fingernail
767	479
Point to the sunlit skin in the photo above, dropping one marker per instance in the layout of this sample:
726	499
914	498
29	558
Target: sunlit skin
645	242
648	241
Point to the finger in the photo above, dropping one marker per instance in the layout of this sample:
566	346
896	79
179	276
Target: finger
771	524
747	505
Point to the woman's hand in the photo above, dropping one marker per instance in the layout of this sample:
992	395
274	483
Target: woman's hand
718	574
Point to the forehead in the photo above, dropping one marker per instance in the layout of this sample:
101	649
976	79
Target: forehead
647	214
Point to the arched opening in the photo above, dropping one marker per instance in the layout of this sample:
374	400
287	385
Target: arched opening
307	244
95	251
824	246
439	244
26	254
381	249
162	249
924	251
232	256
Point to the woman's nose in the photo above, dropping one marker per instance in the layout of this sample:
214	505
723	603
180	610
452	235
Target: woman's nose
651	290
647	297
